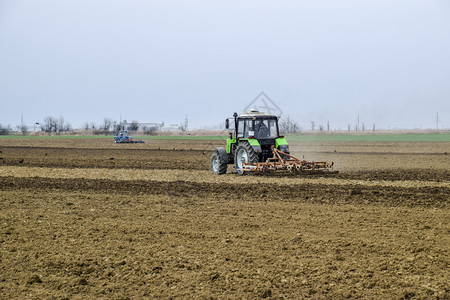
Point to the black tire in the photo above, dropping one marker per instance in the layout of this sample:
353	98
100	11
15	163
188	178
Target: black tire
217	166
244	152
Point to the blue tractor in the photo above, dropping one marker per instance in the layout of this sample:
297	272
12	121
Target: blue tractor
122	137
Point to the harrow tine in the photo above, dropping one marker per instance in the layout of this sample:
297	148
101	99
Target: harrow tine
278	163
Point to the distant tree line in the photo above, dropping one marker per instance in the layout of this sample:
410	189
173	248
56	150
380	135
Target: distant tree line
54	125
4	130
109	126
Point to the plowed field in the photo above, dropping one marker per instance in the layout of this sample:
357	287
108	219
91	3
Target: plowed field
87	218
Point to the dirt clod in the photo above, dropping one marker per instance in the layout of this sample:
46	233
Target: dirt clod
82	281
34	279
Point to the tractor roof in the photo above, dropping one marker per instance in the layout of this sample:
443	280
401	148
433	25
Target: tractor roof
255	113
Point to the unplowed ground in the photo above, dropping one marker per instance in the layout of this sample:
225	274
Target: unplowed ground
87	218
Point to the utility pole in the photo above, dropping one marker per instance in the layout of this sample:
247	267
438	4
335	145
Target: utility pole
22	127
437	121
357	124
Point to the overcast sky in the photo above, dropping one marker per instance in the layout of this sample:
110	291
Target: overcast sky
153	61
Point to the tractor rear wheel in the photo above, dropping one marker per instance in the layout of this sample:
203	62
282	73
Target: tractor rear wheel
217	166
244	153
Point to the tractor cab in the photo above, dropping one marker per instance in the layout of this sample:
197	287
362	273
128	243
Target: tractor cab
259	130
258	126
254	125
123	134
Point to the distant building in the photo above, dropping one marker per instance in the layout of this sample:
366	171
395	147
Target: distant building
172	127
151	126
141	126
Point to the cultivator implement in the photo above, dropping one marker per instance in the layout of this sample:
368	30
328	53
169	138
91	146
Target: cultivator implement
129	141
285	163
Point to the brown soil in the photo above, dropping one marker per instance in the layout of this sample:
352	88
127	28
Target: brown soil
92	219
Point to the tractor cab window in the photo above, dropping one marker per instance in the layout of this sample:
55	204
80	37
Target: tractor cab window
240	132
273	129
266	128
248	131
245	129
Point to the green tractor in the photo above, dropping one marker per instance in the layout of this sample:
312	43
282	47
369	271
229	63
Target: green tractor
255	136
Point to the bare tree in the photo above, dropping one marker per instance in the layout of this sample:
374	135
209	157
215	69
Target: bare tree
134	125
86	126
24	129
149	130
60	125
67	126
107	123
118	127
4	130
313	125
321	127
63	126
50	124
288	125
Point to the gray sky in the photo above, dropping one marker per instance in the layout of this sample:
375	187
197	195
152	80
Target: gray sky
386	60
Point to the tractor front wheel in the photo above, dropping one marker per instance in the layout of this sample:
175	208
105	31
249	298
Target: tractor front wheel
217	166
244	154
